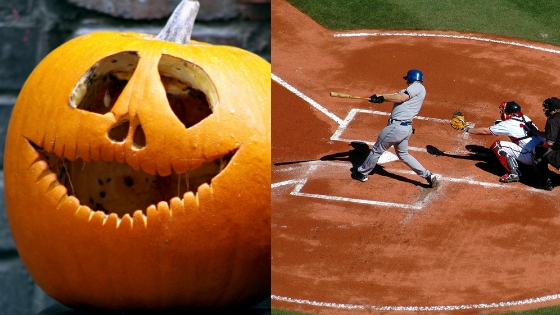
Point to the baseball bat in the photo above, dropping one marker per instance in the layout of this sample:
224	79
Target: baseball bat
344	95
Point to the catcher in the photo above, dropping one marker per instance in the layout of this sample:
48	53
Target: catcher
520	130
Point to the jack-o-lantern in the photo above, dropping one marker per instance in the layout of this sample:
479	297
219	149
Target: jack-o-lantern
137	172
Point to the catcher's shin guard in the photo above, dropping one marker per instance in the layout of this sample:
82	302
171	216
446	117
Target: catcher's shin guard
508	161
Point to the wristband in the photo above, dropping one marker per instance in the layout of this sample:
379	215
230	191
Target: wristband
467	128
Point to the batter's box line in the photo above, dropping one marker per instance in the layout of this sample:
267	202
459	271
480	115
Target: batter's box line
352	115
314	166
301	182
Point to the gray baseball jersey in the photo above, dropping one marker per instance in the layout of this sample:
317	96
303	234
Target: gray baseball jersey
405	111
398	131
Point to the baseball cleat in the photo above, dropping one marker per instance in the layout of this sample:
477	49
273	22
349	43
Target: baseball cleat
509	178
359	176
432	180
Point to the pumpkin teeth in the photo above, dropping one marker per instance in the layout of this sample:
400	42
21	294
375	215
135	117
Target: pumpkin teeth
142	215
54	184
113	187
83	211
111	217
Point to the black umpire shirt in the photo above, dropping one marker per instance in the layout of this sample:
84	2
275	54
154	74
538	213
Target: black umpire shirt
552	132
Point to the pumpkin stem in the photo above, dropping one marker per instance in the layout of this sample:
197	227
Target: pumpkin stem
180	24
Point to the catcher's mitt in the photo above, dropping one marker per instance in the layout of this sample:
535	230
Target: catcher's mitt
458	121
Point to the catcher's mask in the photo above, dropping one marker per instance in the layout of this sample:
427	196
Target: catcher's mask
550	104
510	107
414	75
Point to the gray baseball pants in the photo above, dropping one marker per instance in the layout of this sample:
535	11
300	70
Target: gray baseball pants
394	134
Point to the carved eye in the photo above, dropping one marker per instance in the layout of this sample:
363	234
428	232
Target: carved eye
99	88
186	87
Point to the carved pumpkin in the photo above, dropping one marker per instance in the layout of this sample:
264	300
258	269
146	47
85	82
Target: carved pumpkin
137	173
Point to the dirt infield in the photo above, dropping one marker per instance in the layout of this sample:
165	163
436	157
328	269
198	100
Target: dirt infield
391	245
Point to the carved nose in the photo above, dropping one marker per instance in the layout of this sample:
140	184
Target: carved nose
119	131
122	129
138	138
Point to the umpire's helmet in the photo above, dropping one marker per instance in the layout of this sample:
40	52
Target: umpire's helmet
414	75
551	103
511	108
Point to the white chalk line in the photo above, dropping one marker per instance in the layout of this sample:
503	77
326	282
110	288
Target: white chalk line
306	98
314	165
299	183
368	307
341	125
481	39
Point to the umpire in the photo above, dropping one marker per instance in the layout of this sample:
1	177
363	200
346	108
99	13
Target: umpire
547	152
406	105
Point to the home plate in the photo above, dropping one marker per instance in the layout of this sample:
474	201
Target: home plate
387	157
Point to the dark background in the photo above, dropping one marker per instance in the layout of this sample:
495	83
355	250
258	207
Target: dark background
30	29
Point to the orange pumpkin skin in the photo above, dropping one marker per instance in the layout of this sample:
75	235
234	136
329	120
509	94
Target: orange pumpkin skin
207	248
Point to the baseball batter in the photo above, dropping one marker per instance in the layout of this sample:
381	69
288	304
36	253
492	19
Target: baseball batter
520	130
406	105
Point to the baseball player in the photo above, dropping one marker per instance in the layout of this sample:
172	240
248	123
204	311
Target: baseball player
520	130
406	105
548	151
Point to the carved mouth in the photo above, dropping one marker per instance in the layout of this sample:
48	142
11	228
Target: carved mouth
114	187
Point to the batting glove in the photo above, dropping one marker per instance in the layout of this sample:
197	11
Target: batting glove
376	99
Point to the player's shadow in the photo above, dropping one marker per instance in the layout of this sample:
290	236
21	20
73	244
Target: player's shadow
476	153
358	154
487	162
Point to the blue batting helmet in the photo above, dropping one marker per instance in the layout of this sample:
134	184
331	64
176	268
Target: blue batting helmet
414	75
